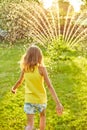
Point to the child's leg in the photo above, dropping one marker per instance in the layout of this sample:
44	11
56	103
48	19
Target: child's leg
42	120
30	122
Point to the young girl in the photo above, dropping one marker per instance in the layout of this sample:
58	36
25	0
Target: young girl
34	73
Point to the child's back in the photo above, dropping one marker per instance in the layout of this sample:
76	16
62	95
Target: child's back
34	87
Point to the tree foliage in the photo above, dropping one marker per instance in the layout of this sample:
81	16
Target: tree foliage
11	19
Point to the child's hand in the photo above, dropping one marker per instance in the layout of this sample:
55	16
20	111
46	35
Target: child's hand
13	90
59	109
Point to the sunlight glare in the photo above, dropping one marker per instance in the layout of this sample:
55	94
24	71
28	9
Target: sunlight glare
76	4
47	3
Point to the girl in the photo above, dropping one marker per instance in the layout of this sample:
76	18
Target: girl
34	73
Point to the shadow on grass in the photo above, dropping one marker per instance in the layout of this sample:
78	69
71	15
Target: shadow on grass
69	80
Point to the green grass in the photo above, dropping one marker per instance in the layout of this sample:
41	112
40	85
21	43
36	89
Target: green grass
69	79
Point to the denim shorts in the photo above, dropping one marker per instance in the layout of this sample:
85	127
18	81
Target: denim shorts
30	108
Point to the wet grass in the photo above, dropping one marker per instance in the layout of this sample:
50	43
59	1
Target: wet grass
69	79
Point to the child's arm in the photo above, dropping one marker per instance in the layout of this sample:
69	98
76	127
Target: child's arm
59	106
19	82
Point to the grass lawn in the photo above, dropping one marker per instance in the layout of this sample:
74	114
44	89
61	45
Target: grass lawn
69	79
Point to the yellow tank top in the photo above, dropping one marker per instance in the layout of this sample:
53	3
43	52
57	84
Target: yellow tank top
34	87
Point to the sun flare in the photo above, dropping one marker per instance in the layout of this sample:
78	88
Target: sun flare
76	4
47	3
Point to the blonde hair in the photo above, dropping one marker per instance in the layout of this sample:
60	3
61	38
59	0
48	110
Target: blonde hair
31	58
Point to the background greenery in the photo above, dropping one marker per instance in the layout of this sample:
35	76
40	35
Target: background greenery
16	18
